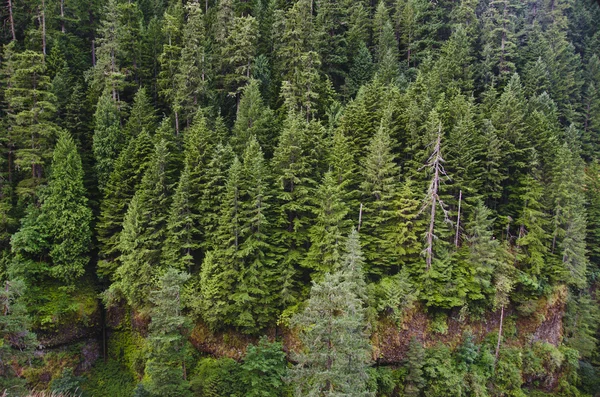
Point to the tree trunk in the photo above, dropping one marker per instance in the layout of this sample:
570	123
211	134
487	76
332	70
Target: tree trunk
500	332
458	220
11	19
44	27
62	16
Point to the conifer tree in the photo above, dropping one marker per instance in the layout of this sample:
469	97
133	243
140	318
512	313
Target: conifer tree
122	185
484	251
30	106
165	369
15	328
254	118
330	226
254	299
54	241
360	71
415	357
500	35
193	74
294	177
532	238
144	231
109	140
331	23
238	53
379	188
142	116
220	266
214	189
170	57
332	327
107	76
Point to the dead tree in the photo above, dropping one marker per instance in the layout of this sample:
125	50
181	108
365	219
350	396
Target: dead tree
432	199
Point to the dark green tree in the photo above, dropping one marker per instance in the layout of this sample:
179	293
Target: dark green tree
165	369
336	352
109	140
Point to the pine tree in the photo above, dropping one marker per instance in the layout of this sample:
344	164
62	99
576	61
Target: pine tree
254	118
569	218
165	371
484	251
238	53
15	328
170	57
107	75
501	35
144	231
379	188
330	226
221	266
65	213
30	106
142	116
120	189
532	239
336	351
54	241
109	140
360	71
254	300
294	185
331	24
415	358
183	243
214	190
193	74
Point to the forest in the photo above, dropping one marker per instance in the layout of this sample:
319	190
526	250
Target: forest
273	198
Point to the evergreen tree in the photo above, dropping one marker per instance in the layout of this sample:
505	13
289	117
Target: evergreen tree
122	185
109	140
264	369
330	226
294	177
165	369
379	190
142	116
532	239
254	118
144	231
336	351
415	357
30	106
54	241
15	328
238	53
170	57
193	74
254	299
361	70
107	75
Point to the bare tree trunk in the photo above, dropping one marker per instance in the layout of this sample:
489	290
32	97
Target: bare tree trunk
360	216
62	16
458	220
93	52
176	122
11	19
500	332
44	28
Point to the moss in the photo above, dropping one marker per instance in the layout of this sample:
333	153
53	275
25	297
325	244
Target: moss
51	366
109	379
128	348
54	306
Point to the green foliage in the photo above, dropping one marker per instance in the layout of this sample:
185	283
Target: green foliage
336	349
217	377
109	378
264	369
